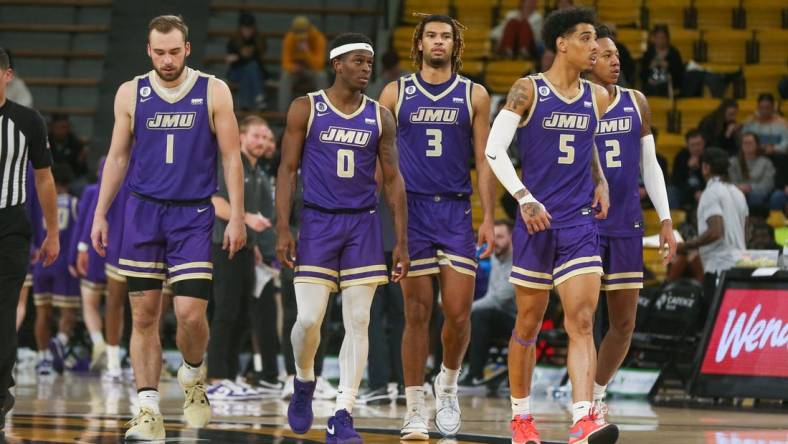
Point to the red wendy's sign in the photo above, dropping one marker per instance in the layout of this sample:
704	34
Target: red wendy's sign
750	334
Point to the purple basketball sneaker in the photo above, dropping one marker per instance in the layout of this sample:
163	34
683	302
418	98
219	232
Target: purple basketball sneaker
340	429
299	412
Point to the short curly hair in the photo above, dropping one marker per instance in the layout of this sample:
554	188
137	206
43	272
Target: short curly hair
561	23
604	32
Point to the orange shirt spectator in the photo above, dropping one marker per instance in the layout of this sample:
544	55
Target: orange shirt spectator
304	46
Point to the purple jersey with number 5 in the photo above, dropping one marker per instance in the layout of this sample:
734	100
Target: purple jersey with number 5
435	135
175	148
340	155
556	144
618	142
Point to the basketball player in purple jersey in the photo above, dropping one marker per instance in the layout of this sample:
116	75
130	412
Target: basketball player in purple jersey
442	121
626	149
337	136
90	267
556	243
177	119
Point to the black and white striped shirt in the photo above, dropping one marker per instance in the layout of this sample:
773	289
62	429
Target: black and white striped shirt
23	137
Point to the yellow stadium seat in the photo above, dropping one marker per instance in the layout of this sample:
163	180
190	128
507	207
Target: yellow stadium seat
713	14
423	7
776	219
660	112
746	109
693	110
773	46
678	217
685	41
763	78
634	39
668	12
477	43
726	45
619	13
475	13
764	14
502	74
652	259
669	145
473	68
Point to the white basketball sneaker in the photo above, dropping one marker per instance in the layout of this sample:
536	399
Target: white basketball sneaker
447	408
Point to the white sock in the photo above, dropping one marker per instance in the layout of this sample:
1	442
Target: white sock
600	391
346	398
312	300
191	374
414	397
521	406
579	410
113	357
257	362
63	338
356	304
449	377
149	399
41	355
96	338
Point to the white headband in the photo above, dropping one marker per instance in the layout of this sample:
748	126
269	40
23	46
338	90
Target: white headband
344	49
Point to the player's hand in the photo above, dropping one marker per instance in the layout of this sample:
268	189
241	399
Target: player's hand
486	236
400	260
258	256
49	250
82	263
535	216
601	200
257	222
234	236
666	238
285	247
98	235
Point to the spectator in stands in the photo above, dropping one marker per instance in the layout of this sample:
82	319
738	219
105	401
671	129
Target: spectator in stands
17	91
722	219
245	52
770	127
761	234
66	146
303	60
520	29
493	315
389	73
751	171
661	67
687	177
508	33
720	128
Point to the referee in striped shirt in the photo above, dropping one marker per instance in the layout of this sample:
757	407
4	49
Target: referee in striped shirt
22	139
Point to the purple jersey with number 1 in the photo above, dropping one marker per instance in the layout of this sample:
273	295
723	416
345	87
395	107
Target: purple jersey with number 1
174	148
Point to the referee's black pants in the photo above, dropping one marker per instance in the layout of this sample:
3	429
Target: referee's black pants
14	257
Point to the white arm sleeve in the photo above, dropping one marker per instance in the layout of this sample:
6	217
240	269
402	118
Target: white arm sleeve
501	135
653	178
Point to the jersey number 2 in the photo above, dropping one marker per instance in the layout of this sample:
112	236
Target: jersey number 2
611	156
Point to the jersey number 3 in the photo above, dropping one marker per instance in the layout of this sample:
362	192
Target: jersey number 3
435	142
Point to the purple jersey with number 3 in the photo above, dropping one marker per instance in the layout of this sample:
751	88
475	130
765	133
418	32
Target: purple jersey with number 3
175	148
556	145
618	142
340	155
435	135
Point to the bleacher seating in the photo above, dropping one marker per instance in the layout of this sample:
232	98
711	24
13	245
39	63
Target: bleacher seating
714	14
692	110
501	74
726	46
670	12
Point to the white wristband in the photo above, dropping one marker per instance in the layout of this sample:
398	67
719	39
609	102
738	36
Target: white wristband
82	247
528	198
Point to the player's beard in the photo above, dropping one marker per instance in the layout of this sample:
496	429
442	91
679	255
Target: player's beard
170	77
436	62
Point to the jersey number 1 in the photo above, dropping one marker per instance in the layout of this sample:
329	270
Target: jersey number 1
170	143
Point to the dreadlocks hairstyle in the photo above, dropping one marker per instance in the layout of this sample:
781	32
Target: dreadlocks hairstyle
604	32
561	23
457	29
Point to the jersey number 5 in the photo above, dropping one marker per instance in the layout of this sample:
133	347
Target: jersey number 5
568	150
346	164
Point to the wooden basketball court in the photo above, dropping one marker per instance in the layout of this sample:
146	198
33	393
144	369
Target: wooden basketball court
84	409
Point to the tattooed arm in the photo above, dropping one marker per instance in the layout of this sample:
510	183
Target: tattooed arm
518	102
394	188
